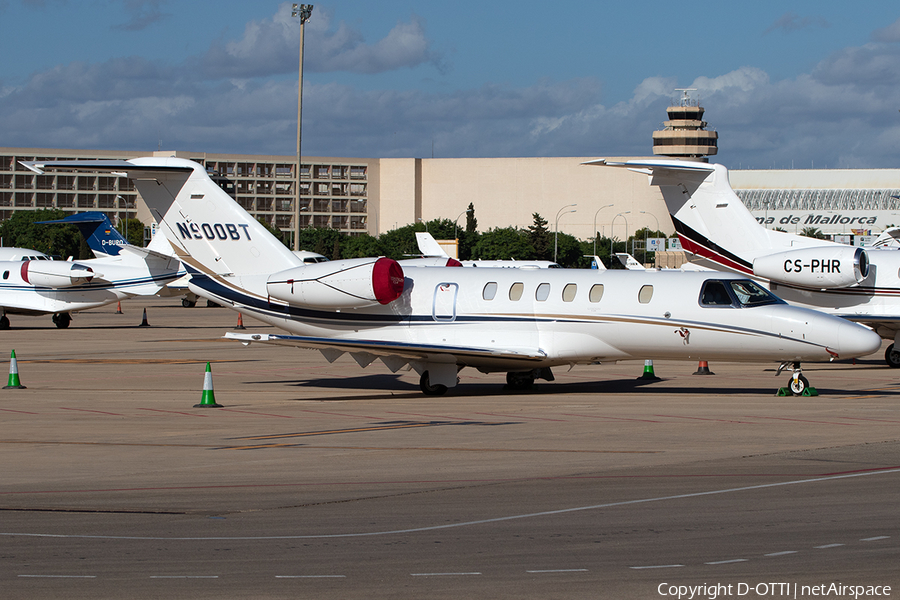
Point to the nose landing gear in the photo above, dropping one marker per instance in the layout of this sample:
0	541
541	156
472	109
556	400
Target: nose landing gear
798	385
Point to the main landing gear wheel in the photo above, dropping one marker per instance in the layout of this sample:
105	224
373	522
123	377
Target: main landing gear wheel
431	390
798	385
892	357
62	320
188	303
520	380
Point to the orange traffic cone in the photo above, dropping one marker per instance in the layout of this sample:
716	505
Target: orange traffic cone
119	308
144	322
240	324
703	369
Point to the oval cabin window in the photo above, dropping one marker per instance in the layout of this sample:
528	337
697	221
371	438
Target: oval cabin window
596	293
645	294
569	292
542	292
515	291
490	290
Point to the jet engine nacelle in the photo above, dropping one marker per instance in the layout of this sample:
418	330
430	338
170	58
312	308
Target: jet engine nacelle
820	267
55	273
353	283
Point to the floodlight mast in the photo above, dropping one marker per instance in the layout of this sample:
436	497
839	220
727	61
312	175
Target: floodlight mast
304	11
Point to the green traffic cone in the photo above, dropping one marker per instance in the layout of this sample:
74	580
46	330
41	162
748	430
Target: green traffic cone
209	397
14	383
648	371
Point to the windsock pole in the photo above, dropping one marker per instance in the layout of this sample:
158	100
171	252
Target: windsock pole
14	383
208	400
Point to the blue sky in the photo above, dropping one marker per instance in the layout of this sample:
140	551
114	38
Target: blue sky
813	83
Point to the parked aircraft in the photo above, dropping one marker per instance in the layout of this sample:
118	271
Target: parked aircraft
102	238
629	262
38	286
14	254
429	248
862	285
439	320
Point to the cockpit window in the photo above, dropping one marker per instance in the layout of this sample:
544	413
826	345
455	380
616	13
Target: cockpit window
715	294
735	293
750	294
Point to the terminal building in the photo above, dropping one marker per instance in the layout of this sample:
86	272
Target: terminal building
356	195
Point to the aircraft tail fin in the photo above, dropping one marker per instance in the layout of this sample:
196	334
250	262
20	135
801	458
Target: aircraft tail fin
102	238
710	219
209	232
428	246
630	262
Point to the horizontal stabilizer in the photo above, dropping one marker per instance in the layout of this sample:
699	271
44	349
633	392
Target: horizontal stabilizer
650	166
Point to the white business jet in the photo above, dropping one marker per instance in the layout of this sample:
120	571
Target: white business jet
31	284
712	222
440	320
429	248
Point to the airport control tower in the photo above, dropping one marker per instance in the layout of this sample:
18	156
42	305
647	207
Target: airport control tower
684	135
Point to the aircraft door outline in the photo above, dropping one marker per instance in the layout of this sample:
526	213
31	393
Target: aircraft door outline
443	307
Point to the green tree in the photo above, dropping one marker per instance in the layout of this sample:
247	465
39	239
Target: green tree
134	228
401	242
469	236
539	238
569	252
812	232
360	246
471	221
22	231
319	239
271	229
503	244
336	249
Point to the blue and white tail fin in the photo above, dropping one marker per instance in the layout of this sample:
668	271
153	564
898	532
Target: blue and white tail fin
102	238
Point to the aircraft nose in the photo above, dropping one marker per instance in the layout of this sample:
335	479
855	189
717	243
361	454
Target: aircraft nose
856	340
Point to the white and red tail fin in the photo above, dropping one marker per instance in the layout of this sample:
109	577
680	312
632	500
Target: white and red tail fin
710	219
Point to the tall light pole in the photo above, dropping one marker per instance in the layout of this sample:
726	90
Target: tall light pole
611	225
304	11
124	201
456	223
595	226
559	213
643	212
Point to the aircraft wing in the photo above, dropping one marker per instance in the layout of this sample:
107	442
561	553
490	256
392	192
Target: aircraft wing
147	253
876	322
401	352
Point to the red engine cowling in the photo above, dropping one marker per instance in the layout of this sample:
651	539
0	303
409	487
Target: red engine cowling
353	283
55	273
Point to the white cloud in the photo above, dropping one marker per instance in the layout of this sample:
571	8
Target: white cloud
271	46
842	113
888	34
790	22
873	64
